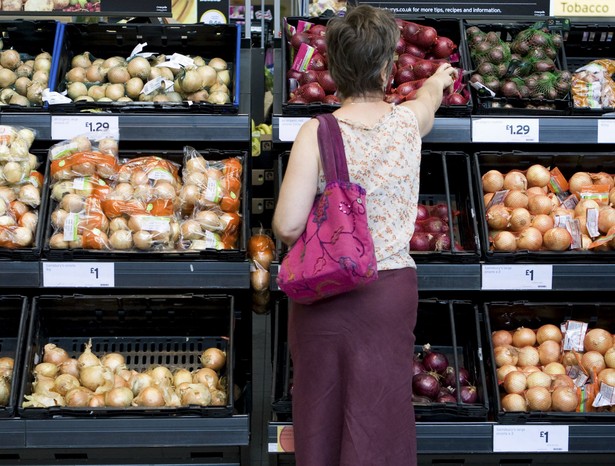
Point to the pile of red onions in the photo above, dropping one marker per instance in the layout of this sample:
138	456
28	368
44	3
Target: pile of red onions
432	229
434	380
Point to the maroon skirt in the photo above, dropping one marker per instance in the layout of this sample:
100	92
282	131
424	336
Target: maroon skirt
352	375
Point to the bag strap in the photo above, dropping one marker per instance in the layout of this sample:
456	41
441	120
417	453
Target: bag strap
331	146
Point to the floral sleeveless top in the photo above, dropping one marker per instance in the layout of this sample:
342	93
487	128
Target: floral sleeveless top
385	160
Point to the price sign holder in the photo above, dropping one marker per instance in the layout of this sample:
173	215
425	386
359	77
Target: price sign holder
506	130
79	274
606	131
93	126
530	438
289	127
517	277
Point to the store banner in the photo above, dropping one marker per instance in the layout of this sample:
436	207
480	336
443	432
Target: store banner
466	9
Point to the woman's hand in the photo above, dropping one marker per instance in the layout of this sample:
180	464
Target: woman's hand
445	75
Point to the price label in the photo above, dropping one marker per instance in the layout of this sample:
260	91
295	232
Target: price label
517	277
285	440
606	131
538	438
506	130
93	126
289	127
79	274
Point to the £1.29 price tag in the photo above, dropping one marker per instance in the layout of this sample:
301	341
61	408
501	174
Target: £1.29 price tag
506	130
517	277
526	438
289	127
79	274
606	131
93	126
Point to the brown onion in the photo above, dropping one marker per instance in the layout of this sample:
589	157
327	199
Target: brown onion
120	397
557	239
598	339
607	376
606	219
609	357
520	219
535	191
87	358
64	383
501	338
529	239
140	381
527	370
501	372
515	180
150	397
523	336
213	358
113	361
540	204
498	217
538	399
549	351
93	377
578	181
513	402
505	241
569	358
54	354
515	382
195	394
593	361
161	375
218	398
43	384
516	198
539	379
206	376
548	332
564	399
46	369
602	178
528	356
561	380
493	181
97	400
78	397
537	175
580	209
504	355
554	368
181	376
542	223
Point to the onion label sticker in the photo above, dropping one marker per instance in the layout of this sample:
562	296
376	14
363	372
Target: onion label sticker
79	274
517	277
289	127
539	438
505	130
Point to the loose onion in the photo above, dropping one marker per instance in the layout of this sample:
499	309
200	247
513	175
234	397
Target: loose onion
516	198
561	380
527	370
42	384
598	339
87	358
537	175
554	368
64	383
570	359
520	219
195	394
97	400
515	180
564	399
529	239
523	336
602	178
161	375
539	379
46	369
213	358
557	239
140	381
593	361
498	217
505	241
206	376
548	332
540	204
78	397
549	351
181	376
578	181
515	382
513	402
93	377
535	191
54	354
528	356
538	399
113	361
260	243
501	372
505	355
580	209
501	338
486	199
609	357
119	397
607	376
150	397
606	219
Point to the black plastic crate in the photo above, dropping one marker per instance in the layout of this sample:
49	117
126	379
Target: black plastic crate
568	163
584	43
500	315
451	28
486	105
446	178
29	38
452	327
281	386
238	254
106	40
167	330
34	252
13	321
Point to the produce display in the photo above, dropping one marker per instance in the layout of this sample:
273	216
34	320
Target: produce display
104	203
593	85
436	380
419	53
526	68
539	209
23	78
89	381
6	378
20	188
157	78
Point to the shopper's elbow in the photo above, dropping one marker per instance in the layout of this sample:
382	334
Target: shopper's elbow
286	233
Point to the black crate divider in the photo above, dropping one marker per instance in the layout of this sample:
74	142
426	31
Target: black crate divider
568	163
238	254
106	40
451	327
13	321
171	330
497	105
34	252
584	43
503	315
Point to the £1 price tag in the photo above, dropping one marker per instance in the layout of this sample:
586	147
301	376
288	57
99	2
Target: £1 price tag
79	274
506	130
606	131
517	277
93	126
526	438
289	127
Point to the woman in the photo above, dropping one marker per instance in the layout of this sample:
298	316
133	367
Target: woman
352	354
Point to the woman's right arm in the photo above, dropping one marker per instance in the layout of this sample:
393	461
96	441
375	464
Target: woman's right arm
429	97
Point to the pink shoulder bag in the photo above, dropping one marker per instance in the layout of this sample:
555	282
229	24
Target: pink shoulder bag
335	253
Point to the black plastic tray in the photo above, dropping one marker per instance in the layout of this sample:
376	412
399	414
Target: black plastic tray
453	328
511	315
167	330
29	38
34	252
446	177
238	254
495	105
13	321
281	386
106	40
568	163
584	43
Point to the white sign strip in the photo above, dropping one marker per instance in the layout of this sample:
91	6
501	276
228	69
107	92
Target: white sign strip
517	277
530	438
289	127
506	130
94	126
79	274
606	131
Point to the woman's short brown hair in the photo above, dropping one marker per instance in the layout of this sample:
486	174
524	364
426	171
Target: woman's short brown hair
359	46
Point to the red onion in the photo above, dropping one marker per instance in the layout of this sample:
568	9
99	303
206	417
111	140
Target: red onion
317	30
446	398
309	76
435	361
298	39
421	212
331	99
417	367
469	394
326	81
420	241
440	210
449	377
426	384
433	225
440	242
318	62
294	74
320	44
